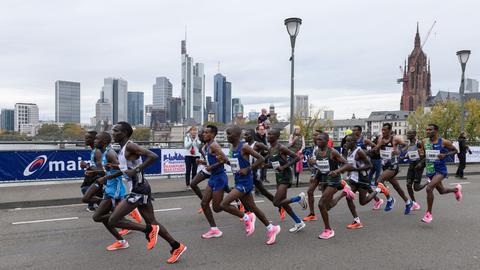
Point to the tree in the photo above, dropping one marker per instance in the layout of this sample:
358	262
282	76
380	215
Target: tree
72	131
446	116
472	121
49	131
418	120
141	134
311	123
217	124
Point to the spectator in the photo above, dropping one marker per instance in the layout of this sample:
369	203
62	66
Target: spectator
261	136
191	144
342	143
296	143
462	155
262	117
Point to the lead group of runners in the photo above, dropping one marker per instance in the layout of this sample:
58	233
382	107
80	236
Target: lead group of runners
246	158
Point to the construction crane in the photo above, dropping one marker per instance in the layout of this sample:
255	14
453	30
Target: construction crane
421	47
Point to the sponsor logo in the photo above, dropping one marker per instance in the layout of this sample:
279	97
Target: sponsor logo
35	165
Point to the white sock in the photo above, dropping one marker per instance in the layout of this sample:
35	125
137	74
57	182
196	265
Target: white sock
378	190
408	201
246	217
357	220
270	226
390	199
122	241
214	228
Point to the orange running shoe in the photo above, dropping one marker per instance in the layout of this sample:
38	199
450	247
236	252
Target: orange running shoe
282	214
310	218
343	183
384	189
124	232
118	245
241	207
153	237
355	225
200	210
135	214
177	253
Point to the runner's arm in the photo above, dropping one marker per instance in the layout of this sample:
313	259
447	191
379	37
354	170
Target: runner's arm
452	149
339	158
367	165
140	151
250	152
222	159
294	157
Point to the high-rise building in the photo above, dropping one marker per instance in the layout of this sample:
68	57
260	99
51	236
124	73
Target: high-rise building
208	107
328	115
471	86
253	116
7	120
115	91
103	111
26	118
67	102
223	98
174	110
162	91
193	87
148	115
237	108
416	78
135	108
301	106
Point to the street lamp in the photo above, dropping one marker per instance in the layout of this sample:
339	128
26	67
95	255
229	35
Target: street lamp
293	26
463	58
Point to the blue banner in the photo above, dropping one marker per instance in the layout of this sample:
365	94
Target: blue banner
33	165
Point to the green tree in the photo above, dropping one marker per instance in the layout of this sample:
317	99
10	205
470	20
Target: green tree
419	120
49	131
311	123
446	116
218	124
472	121
72	131
141	134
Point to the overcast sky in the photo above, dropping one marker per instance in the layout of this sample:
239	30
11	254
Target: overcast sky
348	53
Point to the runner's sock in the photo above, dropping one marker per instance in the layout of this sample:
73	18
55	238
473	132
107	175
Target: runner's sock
357	220
270	226
296	218
295	199
246	217
408	202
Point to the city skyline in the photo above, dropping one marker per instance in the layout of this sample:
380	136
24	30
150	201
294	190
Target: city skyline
326	60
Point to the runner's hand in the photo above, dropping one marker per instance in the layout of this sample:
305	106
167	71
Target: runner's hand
209	168
130	172
281	168
108	166
83	164
89	173
244	171
102	180
441	156
333	173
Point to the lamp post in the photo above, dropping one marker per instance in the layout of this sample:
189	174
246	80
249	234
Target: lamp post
293	26
463	58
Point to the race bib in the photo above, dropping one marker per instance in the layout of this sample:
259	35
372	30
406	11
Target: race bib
351	161
323	166
234	164
432	155
386	154
275	164
413	155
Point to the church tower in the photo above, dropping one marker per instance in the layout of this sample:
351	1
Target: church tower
416	78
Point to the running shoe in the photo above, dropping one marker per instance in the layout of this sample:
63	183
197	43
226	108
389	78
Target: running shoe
200	210
416	206
348	192
327	234
282	213
343	183
390	204
377	204
118	245
384	189
177	253
303	201
153	237
310	217
212	233
90	209
241	208
124	232
297	227
355	225
135	214
408	207
250	224
272	234
458	193
427	218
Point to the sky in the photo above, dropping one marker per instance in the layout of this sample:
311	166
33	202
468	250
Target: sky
348	52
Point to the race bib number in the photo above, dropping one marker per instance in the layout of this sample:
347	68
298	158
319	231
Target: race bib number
351	161
432	155
234	164
386	154
275	164
413	155
323	166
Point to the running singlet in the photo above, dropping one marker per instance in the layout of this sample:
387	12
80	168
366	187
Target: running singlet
237	162
212	159
324	165
386	153
114	189
361	143
351	158
412	152
434	164
277	160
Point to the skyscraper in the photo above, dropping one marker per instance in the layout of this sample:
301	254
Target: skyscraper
135	108
237	108
115	91
7	120
223	98
26	118
174	110
301	106
162	91
193	87
103	111
471	85
148	115
67	102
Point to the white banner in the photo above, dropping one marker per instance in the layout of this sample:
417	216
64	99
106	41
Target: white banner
173	161
474	157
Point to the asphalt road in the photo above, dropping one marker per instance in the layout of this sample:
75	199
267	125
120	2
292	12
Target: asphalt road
388	241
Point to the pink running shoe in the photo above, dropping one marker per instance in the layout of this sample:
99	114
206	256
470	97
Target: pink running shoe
427	218
458	193
327	234
348	192
212	233
377	204
272	234
250	224
416	206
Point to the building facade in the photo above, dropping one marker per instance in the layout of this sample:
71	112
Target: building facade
115	91
416	78
135	108
67	102
103	111
301	106
237	108
193	87
174	110
162	91
398	119
471	86
328	115
7	120
26	117
223	98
